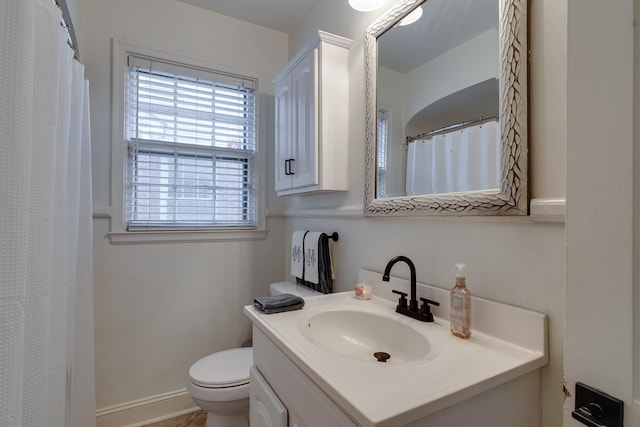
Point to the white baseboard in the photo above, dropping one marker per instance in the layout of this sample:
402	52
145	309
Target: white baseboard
146	411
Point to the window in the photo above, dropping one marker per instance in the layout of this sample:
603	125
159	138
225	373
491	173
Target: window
191	147
381	164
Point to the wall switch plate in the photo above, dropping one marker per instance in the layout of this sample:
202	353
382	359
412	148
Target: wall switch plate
595	408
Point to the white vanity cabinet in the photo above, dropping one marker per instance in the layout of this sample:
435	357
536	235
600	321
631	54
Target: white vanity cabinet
312	118
492	379
305	404
266	410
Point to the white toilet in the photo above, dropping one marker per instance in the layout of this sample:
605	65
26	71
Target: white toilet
219	383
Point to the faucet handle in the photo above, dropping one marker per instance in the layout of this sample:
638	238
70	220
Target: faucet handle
428	301
425	310
402	301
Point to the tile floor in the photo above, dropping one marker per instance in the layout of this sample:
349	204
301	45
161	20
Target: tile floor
194	419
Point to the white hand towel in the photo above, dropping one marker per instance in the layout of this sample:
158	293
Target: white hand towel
297	242
311	267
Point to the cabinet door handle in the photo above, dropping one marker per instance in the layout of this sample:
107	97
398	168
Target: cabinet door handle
287	167
291	170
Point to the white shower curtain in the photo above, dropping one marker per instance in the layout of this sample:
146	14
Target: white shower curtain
463	160
46	277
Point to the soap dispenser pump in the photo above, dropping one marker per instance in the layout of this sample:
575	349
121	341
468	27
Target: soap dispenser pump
460	310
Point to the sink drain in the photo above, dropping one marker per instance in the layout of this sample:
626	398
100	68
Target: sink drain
381	356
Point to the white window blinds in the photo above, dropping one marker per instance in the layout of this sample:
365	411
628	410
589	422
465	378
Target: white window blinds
191	137
381	170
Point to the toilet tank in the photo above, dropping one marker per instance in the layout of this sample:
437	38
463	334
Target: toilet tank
291	288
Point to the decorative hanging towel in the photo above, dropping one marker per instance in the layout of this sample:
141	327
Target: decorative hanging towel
297	263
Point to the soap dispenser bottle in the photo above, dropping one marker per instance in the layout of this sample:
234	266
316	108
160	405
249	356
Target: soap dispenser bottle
460	310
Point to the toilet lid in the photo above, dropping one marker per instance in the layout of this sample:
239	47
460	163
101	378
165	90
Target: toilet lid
228	368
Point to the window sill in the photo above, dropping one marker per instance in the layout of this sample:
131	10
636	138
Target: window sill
194	236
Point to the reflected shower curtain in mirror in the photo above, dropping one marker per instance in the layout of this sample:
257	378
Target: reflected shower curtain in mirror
46	276
461	160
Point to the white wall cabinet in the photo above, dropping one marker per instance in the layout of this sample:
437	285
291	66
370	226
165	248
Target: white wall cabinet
312	118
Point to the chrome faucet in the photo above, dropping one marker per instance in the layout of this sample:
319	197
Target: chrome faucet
424	314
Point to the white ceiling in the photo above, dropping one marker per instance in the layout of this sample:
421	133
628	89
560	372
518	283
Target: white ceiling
444	25
280	15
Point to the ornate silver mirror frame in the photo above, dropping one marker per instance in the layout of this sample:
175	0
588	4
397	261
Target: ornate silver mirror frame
511	198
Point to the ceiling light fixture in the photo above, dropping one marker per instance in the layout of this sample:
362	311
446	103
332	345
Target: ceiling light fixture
366	5
411	18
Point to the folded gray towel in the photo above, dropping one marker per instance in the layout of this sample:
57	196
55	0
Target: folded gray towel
278	303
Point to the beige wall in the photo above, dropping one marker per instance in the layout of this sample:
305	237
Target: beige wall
159	308
509	260
600	190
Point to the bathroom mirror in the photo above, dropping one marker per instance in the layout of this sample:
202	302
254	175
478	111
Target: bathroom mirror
446	109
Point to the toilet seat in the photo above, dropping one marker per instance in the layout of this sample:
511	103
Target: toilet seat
225	369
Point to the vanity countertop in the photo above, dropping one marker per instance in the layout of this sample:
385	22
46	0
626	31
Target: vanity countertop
388	394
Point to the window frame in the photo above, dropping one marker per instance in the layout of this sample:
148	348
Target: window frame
381	171
119	155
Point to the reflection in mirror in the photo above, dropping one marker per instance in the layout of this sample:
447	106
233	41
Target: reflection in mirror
446	109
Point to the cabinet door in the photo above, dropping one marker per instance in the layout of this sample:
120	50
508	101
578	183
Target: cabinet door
266	410
307	405
305	109
283	132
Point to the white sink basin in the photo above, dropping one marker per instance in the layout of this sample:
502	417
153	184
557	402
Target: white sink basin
361	334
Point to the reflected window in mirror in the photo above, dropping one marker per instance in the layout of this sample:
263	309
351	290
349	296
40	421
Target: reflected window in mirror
382	132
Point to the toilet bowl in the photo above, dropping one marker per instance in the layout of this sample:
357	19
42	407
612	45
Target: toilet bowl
219	383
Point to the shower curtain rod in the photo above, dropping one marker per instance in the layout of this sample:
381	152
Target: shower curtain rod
450	128
68	25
